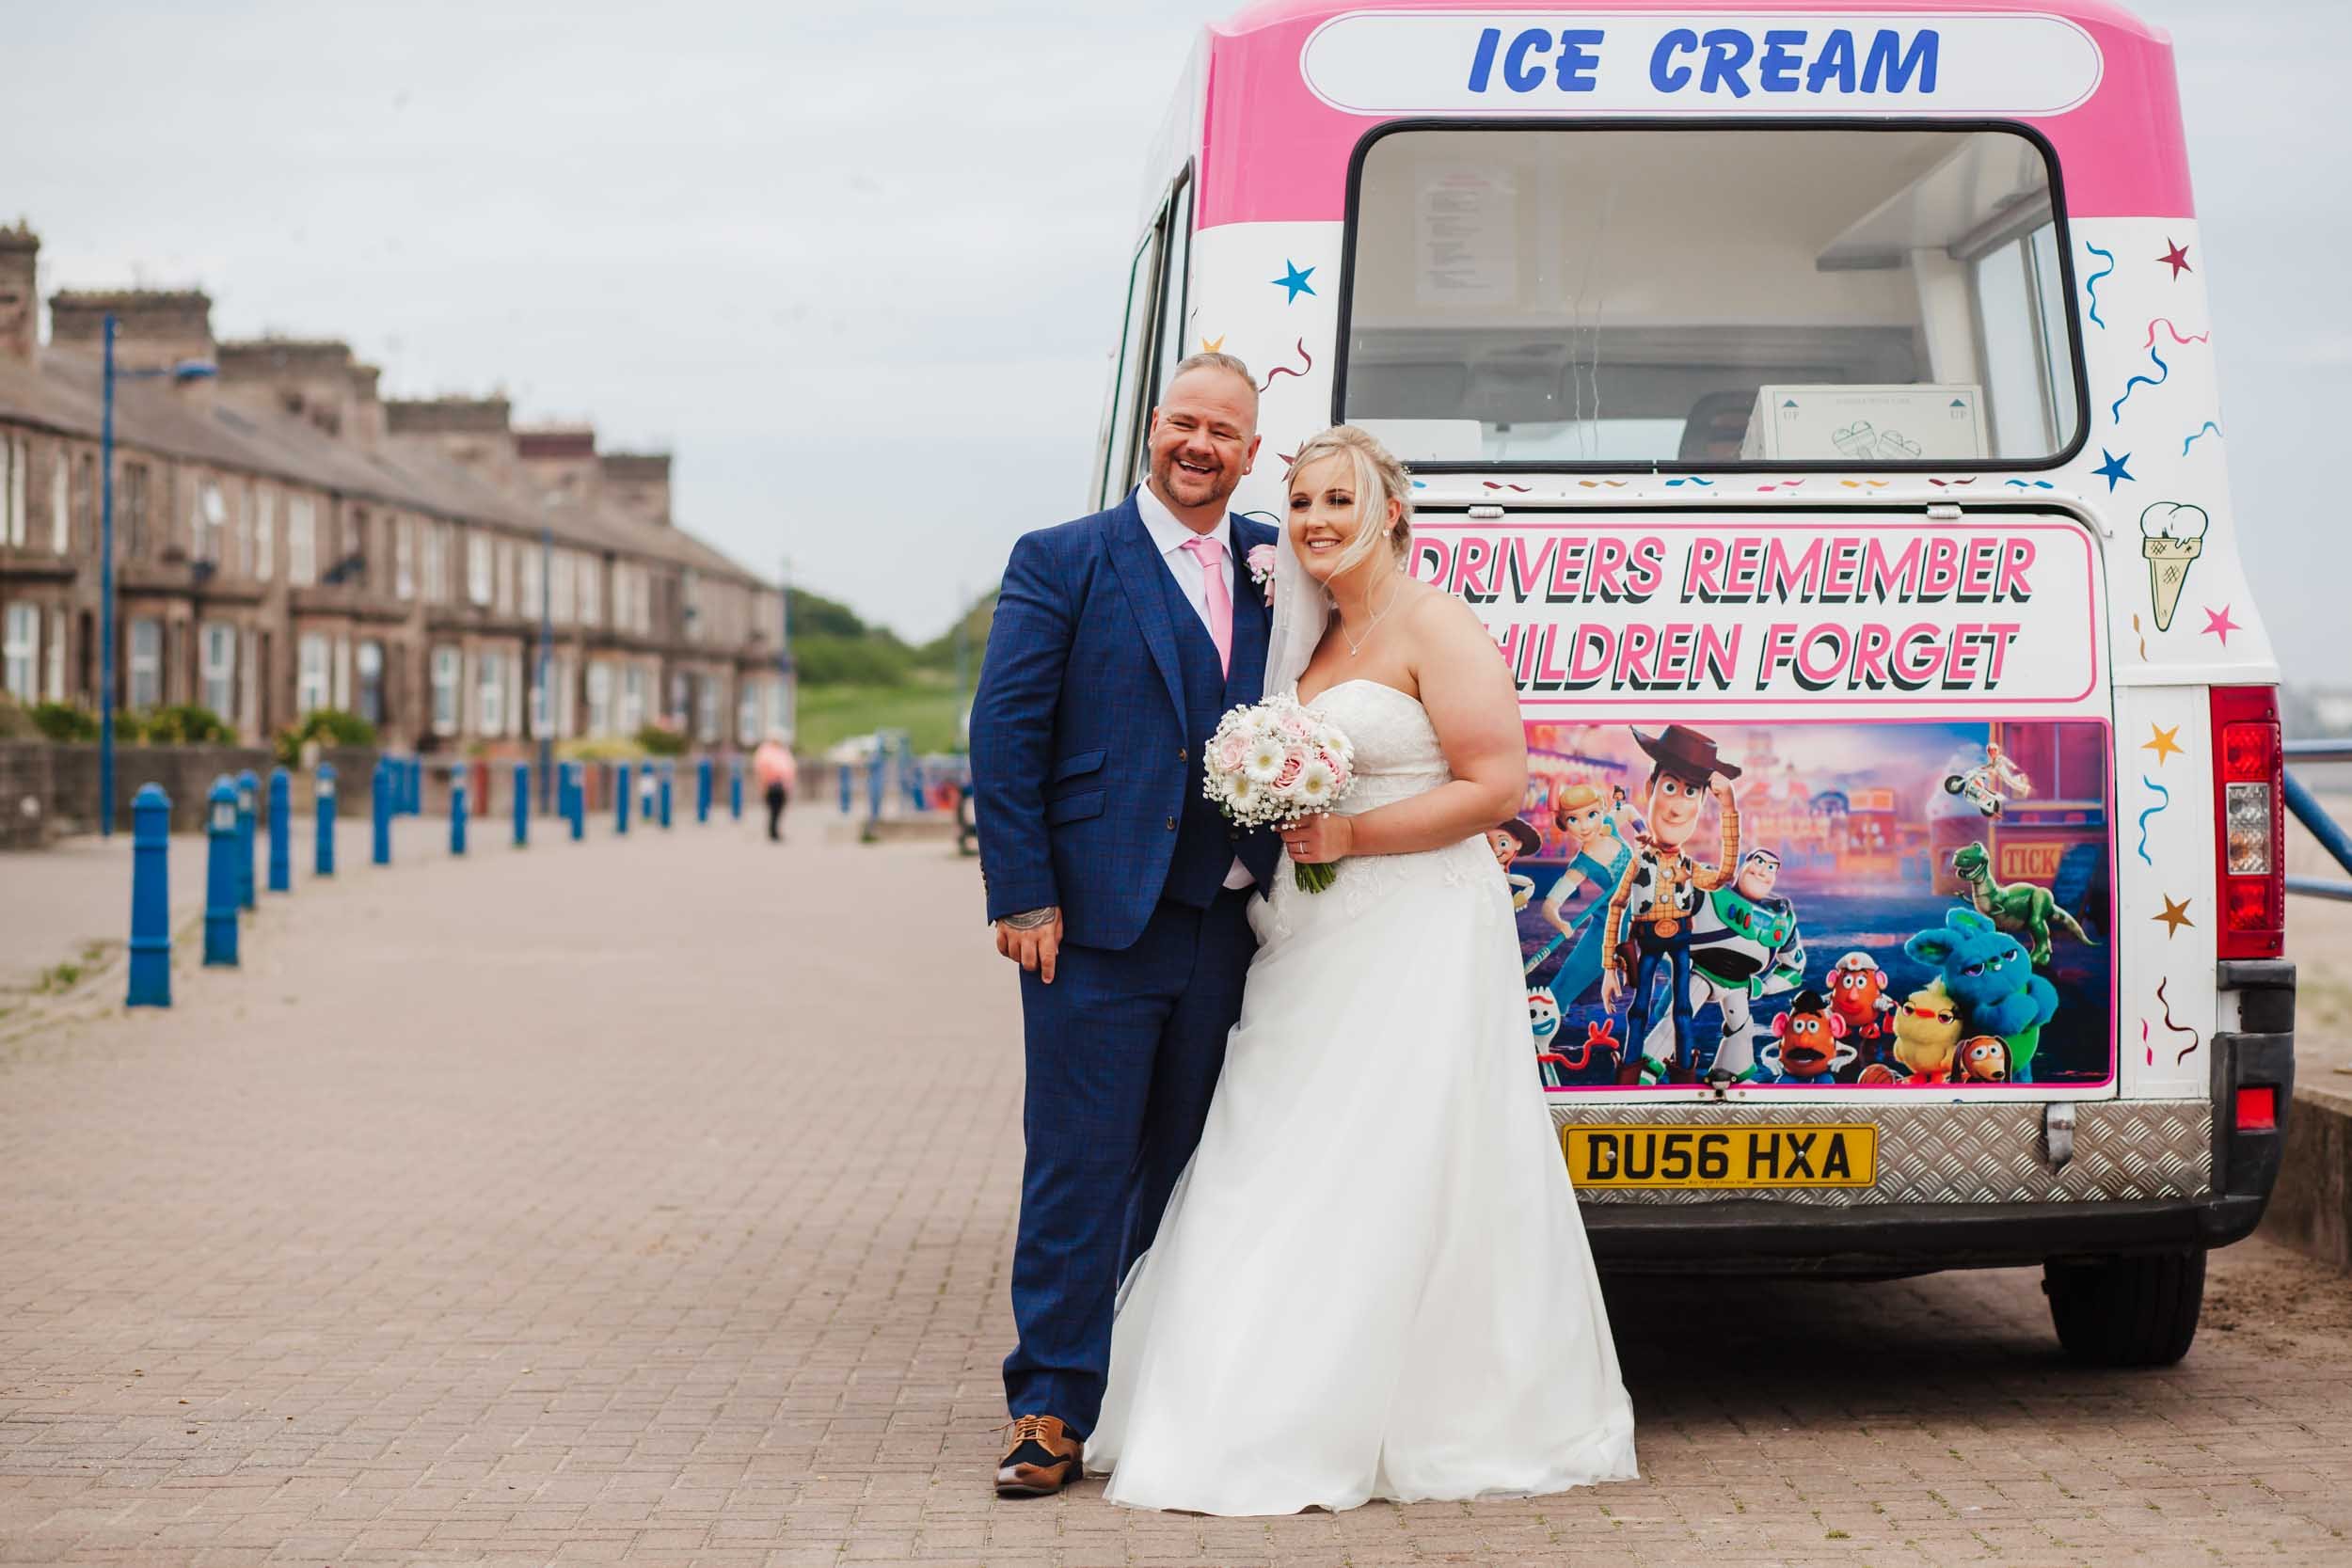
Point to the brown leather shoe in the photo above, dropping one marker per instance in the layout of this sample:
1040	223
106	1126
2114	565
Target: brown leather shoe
1042	1460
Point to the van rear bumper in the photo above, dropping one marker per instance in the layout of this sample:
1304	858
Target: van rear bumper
1763	1235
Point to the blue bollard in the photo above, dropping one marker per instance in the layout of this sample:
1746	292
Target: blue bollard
620	803
222	854
735	788
522	805
150	899
580	802
702	789
249	808
323	814
280	831
874	785
380	797
458	808
666	774
842	773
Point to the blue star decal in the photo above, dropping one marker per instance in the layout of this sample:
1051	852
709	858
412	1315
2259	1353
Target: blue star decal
1295	278
2112	469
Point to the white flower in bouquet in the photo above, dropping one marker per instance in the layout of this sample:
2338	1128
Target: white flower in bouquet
1273	763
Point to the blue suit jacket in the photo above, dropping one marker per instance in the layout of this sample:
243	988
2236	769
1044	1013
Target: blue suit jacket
1081	754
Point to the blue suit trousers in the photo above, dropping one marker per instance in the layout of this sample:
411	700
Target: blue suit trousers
1116	1034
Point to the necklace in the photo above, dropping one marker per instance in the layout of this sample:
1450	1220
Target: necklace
1357	645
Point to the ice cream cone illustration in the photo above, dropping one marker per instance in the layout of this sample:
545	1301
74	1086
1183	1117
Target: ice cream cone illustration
2171	536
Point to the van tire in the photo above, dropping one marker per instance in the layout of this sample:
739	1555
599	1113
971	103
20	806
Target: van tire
2137	1311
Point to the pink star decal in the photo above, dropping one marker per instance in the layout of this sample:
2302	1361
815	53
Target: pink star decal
2176	258
2219	624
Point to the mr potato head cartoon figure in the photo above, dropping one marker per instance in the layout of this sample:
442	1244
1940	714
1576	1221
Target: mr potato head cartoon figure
1661	888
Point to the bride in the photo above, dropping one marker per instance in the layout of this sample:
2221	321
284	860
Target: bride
1371	1280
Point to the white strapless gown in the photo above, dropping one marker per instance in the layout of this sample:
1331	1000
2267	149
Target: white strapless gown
1371	1280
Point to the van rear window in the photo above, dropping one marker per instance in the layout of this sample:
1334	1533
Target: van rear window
1859	298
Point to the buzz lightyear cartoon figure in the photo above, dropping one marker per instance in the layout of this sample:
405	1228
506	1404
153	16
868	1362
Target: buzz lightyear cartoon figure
1744	946
1661	889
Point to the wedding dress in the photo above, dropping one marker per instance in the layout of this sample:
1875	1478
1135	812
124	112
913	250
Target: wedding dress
1371	1280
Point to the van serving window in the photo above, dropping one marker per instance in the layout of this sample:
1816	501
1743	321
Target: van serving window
1848	297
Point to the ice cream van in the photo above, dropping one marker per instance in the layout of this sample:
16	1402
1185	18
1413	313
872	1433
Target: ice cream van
1822	400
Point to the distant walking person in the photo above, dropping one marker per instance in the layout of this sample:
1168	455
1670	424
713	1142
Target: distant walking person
777	774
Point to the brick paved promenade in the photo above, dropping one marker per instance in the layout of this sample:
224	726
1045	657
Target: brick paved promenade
651	1202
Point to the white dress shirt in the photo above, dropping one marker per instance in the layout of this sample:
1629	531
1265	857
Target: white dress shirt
1170	534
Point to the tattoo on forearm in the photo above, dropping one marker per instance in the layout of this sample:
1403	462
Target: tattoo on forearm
1029	920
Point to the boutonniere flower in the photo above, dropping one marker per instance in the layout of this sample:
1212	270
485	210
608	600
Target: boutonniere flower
1261	568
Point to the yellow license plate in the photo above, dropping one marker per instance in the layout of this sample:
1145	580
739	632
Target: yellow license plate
1671	1154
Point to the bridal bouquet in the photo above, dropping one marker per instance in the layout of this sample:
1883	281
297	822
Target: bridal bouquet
1270	765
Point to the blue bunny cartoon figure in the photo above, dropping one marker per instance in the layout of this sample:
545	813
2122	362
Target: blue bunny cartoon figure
1987	972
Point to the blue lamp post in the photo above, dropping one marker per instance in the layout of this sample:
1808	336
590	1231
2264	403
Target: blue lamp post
186	369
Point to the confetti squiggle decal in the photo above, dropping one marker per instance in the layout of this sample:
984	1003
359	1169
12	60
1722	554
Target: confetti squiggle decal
2141	635
2210	428
1703	484
2145	1044
2036	484
1279	371
2091	284
2195	1039
2164	373
2152	811
2165	321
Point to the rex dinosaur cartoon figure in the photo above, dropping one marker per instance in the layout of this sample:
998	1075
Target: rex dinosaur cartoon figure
2025	910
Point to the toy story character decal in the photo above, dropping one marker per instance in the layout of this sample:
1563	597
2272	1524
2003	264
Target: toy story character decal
1743	946
1986	972
1510	840
1845	869
1808	1044
1659	893
1990	787
2020	909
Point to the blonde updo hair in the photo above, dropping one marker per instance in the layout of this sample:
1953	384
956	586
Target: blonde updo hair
1379	478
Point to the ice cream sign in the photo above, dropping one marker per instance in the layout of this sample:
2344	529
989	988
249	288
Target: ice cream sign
1707	62
2171	536
1910	618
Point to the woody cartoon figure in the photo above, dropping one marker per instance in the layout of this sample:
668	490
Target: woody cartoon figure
1659	894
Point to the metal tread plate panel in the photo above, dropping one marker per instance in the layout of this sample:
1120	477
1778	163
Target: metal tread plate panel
1971	1153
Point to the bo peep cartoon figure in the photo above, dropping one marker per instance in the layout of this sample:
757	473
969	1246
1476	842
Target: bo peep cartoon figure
1583	814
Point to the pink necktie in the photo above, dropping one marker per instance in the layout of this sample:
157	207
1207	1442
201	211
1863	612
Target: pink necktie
1210	551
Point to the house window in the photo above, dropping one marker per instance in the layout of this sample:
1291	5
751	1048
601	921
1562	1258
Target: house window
207	520
560	579
746	713
61	506
478	568
20	651
599	699
264	533
632	700
404	558
491	684
779	717
15	458
217	664
147	663
311	680
590	592
706	710
445	666
533	584
302	564
370	706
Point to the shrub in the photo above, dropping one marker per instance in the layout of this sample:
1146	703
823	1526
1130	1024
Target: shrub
329	726
183	724
12	719
657	742
601	749
65	722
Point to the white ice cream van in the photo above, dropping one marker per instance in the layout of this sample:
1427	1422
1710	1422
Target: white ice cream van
1825	398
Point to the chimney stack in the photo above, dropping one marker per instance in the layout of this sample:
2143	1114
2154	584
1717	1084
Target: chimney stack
559	462
477	432
154	328
20	294
638	484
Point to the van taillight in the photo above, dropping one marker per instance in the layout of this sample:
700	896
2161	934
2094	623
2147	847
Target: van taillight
2249	811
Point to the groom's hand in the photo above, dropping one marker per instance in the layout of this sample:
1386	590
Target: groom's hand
1031	940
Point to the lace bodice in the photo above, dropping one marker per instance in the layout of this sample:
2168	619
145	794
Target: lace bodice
1397	754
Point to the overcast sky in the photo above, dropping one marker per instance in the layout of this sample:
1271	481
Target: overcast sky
858	265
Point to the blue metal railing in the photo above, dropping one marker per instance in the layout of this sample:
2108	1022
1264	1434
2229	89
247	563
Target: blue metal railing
2314	818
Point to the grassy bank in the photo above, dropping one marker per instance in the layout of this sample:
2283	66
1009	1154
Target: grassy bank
925	707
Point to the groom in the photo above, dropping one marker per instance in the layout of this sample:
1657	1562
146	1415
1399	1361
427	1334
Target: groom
1120	641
